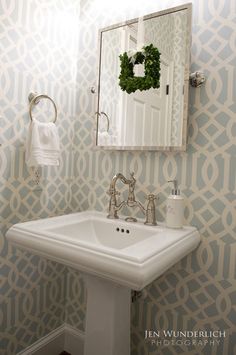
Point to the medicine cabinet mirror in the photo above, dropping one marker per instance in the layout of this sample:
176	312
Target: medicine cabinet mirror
152	119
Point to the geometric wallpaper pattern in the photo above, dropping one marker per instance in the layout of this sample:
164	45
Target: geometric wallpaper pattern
50	47
200	291
38	52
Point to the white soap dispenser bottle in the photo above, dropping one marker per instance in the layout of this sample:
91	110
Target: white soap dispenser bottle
175	208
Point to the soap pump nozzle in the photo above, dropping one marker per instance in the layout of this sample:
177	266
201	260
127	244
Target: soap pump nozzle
175	190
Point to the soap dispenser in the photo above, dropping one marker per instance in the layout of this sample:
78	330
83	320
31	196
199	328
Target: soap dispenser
175	208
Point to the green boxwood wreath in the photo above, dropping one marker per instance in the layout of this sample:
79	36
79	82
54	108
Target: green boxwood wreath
150	56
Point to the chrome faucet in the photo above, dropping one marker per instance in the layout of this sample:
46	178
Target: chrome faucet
131	201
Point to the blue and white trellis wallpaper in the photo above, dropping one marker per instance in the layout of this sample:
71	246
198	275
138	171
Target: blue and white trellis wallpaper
50	46
38	52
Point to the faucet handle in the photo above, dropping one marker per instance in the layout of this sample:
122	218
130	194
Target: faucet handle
151	211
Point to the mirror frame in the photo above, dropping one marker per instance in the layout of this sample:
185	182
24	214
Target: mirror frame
183	147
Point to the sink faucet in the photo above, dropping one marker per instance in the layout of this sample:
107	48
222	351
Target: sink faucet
131	201
113	207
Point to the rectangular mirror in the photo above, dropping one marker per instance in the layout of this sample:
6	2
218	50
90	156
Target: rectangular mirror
153	118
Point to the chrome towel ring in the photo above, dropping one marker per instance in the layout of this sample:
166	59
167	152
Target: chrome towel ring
99	114
34	99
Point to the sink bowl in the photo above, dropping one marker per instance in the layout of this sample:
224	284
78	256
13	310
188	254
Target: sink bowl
99	233
130	254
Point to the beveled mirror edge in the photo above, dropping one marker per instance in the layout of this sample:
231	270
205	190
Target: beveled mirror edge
181	148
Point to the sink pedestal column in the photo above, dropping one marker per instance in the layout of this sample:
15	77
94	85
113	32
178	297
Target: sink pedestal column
107	330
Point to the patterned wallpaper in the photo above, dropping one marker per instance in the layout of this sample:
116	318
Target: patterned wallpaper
199	292
38	51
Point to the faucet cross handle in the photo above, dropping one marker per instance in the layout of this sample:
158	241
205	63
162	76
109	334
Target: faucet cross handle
151	211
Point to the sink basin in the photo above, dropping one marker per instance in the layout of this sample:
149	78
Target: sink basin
116	256
130	254
100	233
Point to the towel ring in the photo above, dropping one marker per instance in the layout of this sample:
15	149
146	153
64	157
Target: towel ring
107	118
34	99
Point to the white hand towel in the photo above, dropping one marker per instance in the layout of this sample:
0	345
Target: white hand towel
42	144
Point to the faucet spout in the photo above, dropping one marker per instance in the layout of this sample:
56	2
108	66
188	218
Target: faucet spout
116	177
114	207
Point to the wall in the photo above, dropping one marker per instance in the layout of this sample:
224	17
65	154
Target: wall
38	52
199	292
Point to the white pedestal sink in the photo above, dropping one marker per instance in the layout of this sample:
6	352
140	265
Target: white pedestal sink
116	256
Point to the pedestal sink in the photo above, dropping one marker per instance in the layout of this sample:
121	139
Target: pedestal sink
116	256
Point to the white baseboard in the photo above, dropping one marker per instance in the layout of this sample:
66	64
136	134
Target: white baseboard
74	340
63	338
